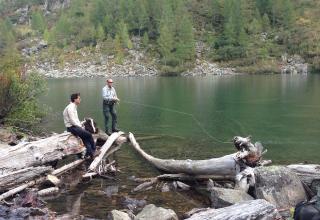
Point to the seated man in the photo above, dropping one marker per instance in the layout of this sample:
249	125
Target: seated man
73	125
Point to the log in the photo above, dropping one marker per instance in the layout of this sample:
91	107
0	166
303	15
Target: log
39	152
56	172
254	209
67	167
9	180
113	137
223	166
48	192
22	187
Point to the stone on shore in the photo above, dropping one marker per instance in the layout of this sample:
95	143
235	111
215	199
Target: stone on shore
221	197
279	186
118	215
156	213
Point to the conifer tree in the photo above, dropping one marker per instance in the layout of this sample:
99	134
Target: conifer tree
38	22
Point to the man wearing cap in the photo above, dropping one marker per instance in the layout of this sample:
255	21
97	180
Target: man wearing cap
110	98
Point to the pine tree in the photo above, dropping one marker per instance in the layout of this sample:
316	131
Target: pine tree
124	35
100	33
118	49
145	40
38	22
185	48
166	42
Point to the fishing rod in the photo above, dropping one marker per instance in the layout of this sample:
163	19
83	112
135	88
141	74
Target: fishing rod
182	113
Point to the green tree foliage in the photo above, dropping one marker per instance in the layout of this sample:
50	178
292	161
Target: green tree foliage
100	35
38	22
124	35
7	37
233	40
18	93
145	40
118	49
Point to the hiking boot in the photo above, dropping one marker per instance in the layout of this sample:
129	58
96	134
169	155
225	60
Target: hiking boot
108	133
115	130
82	154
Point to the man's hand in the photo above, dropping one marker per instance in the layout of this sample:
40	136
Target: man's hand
116	99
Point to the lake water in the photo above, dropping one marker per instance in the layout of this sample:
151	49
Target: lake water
194	118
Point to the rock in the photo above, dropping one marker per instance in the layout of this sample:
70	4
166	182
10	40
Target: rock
111	190
293	65
6	136
221	197
279	186
308	173
156	213
134	205
255	209
118	215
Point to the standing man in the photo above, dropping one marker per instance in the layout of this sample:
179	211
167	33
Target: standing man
110	98
73	125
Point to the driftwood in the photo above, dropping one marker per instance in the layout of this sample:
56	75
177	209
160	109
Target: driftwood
22	187
226	165
48	191
9	180
104	150
39	152
254	209
56	172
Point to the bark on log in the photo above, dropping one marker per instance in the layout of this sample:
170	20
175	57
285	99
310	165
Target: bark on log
104	150
256	209
9	180
39	152
218	166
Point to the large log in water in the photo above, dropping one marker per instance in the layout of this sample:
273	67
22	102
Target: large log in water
217	166
255	209
38	152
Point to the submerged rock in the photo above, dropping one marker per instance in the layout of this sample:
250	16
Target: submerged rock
134	205
156	213
279	186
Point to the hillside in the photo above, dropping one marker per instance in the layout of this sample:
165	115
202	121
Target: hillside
255	36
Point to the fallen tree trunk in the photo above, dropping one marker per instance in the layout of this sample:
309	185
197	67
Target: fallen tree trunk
9	180
39	152
254	209
226	165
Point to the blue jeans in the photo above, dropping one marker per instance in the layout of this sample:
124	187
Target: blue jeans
108	107
86	138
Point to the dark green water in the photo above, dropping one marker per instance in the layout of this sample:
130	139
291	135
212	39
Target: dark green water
196	118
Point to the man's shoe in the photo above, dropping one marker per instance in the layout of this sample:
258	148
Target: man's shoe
115	130
108	133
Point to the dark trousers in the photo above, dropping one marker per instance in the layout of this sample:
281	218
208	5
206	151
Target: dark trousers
108	107
86	138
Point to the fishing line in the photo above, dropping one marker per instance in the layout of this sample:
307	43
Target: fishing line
182	113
